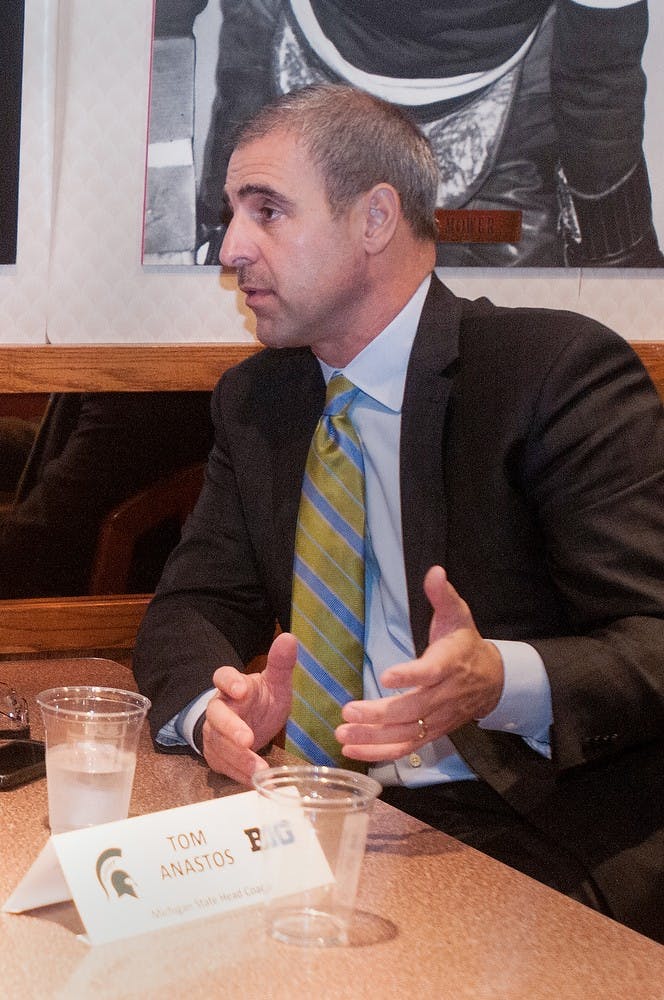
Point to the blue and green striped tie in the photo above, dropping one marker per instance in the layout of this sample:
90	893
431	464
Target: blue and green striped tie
328	583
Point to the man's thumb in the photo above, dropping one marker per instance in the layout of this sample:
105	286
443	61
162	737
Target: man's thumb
281	658
449	610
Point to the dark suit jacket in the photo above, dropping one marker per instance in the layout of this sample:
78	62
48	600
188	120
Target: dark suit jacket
532	468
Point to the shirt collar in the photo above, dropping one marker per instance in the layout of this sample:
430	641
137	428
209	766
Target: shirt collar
379	370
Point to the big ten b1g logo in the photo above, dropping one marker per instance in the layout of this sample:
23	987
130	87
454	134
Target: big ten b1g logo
272	835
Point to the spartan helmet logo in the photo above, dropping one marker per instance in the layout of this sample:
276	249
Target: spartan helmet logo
111	877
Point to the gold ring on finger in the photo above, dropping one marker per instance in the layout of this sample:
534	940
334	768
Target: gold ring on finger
422	730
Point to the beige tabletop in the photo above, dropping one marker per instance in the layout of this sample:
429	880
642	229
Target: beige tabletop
435	919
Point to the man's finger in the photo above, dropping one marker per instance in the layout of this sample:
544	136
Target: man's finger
230	683
225	758
373	752
225	723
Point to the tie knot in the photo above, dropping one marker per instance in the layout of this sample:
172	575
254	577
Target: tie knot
340	394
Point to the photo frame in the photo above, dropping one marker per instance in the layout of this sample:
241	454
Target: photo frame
537	167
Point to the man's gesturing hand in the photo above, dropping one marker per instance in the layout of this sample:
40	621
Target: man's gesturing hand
248	711
459	677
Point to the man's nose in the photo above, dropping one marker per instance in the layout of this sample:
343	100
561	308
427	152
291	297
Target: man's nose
236	248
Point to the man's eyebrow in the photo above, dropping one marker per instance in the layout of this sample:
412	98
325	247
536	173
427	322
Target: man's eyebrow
248	190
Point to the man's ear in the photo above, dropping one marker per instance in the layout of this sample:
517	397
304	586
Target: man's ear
382	213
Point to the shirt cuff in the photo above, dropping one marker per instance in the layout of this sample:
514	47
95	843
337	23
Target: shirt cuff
525	703
179	731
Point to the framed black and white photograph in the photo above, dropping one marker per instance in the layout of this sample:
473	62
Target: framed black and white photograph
536	111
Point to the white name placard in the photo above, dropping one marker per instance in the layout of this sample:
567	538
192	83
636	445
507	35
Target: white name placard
165	868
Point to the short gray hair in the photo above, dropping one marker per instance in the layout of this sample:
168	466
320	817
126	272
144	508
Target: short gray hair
357	141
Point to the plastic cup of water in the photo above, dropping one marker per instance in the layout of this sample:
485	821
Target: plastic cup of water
91	739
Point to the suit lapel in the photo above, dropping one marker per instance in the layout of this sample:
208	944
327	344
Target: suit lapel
426	396
423	490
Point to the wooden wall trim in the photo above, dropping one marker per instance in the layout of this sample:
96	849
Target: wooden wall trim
124	367
59	624
157	367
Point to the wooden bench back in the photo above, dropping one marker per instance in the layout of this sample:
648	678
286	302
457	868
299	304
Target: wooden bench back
108	625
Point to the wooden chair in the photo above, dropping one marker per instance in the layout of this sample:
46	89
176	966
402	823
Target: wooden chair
169	499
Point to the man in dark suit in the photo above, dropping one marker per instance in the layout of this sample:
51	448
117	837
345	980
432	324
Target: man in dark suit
515	698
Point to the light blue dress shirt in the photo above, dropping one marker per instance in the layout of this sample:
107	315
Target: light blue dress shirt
525	706
379	371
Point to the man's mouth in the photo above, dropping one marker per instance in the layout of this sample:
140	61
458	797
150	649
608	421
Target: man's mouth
254	294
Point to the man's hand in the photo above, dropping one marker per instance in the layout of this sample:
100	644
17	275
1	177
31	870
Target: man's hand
248	711
458	678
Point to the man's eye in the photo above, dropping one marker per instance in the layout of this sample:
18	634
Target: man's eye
268	213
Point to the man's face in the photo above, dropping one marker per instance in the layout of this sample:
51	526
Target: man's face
300	269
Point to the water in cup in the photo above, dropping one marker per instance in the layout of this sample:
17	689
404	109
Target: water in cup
88	783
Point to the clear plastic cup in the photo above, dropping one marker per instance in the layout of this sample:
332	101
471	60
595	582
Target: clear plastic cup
91	739
314	824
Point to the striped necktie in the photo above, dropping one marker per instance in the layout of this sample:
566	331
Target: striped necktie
328	583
